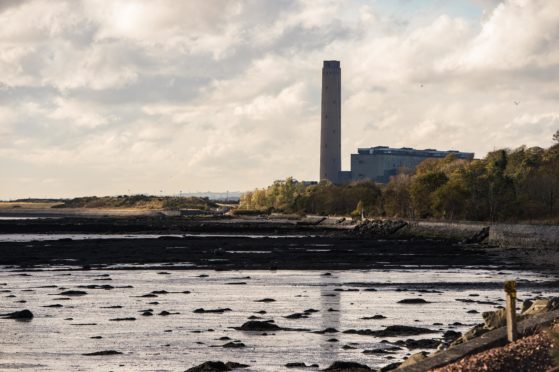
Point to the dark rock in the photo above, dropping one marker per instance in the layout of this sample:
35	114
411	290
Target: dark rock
296	316
470	301
95	286
73	293
214	311
419	344
54	305
234	344
166	313
451	335
391	331
19	315
104	352
327	330
378	228
111	307
413	301
378	316
215	367
473	311
295	365
377	351
122	319
266	300
254	325
96	337
348	367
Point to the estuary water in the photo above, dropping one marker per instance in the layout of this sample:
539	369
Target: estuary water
65	327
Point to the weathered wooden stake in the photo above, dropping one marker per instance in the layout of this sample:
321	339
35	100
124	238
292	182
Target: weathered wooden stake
510	310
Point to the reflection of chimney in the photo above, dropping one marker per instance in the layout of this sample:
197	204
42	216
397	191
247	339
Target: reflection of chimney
331	122
330	310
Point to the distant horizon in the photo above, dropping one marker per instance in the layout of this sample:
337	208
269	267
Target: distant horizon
100	98
212	195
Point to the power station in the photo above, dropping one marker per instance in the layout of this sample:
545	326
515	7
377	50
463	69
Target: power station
377	163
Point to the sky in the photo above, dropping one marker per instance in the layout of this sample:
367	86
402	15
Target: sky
115	97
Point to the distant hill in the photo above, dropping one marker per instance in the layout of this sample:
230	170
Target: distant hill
222	196
138	202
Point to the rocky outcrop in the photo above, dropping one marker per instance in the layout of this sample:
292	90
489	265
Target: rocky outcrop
497	319
104	352
391	331
212	366
254	325
414	358
478	237
378	228
18	315
348	367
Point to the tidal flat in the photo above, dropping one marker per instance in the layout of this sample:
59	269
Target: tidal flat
166	295
154	318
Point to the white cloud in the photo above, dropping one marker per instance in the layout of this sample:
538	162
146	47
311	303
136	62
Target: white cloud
102	97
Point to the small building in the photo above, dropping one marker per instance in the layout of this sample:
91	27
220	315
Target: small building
379	163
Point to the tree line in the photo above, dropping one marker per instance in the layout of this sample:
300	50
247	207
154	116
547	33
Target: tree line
506	185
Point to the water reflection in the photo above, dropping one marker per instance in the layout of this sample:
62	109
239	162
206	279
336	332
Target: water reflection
330	310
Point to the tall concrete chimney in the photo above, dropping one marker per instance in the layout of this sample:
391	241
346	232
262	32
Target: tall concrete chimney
331	122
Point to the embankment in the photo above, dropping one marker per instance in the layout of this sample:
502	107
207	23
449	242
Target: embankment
524	236
499	235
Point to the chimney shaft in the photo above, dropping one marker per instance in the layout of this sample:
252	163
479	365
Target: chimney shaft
331	122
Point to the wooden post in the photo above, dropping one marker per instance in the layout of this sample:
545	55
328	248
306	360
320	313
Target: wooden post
510	310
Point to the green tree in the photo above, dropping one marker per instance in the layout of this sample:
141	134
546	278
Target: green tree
422	188
397	198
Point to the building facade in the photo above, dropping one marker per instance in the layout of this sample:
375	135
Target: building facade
331	122
381	162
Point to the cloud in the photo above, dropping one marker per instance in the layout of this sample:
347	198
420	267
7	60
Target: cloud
103	97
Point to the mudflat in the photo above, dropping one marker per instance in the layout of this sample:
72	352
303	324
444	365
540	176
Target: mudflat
229	245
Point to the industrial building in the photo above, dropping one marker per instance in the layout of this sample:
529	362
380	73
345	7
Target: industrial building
377	163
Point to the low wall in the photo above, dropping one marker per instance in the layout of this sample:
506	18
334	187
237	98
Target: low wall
524	236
